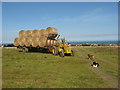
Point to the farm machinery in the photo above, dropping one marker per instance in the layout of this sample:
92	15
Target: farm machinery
43	40
62	48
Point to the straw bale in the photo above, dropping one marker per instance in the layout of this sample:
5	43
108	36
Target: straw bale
16	41
43	32
29	33
53	32
22	41
36	33
22	33
35	41
28	41
42	41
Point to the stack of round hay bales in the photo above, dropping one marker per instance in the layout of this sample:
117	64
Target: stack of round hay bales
36	37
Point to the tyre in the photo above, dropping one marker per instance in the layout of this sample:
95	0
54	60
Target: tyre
55	50
62	53
25	50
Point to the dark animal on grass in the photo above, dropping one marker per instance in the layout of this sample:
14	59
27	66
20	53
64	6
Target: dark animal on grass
95	64
90	56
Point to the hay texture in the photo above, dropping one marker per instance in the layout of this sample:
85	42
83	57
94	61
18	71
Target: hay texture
36	37
52	32
29	33
22	41
42	41
22	33
43	32
28	41
36	33
35	41
16	41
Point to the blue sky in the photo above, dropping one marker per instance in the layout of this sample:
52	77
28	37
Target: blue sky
79	21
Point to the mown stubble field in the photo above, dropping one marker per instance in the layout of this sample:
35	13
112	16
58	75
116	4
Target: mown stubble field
44	70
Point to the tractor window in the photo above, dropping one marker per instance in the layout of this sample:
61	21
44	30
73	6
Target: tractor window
59	42
64	42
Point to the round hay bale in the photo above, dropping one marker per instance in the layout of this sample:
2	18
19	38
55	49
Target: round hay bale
35	41
55	42
53	32
22	41
22	33
48	42
16	41
42	41
36	33
29	33
28	41
51	42
43	32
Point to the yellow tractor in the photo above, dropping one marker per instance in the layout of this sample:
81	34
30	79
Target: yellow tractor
62	48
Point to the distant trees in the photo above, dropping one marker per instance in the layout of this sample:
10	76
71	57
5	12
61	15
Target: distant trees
9	45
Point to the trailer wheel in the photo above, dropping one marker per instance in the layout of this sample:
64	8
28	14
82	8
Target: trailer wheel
72	54
62	53
55	50
25	50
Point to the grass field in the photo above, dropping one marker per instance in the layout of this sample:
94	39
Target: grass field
44	70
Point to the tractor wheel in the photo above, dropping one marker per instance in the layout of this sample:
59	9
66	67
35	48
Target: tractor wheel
25	50
72	54
62	53
55	51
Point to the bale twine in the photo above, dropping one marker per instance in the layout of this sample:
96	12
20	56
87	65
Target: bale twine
16	42
42	41
22	33
28	41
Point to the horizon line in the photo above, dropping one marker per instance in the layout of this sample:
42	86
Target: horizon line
74	41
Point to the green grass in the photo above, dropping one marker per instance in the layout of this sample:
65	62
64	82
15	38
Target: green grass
44	70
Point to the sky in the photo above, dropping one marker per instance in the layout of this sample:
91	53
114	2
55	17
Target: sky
75	21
